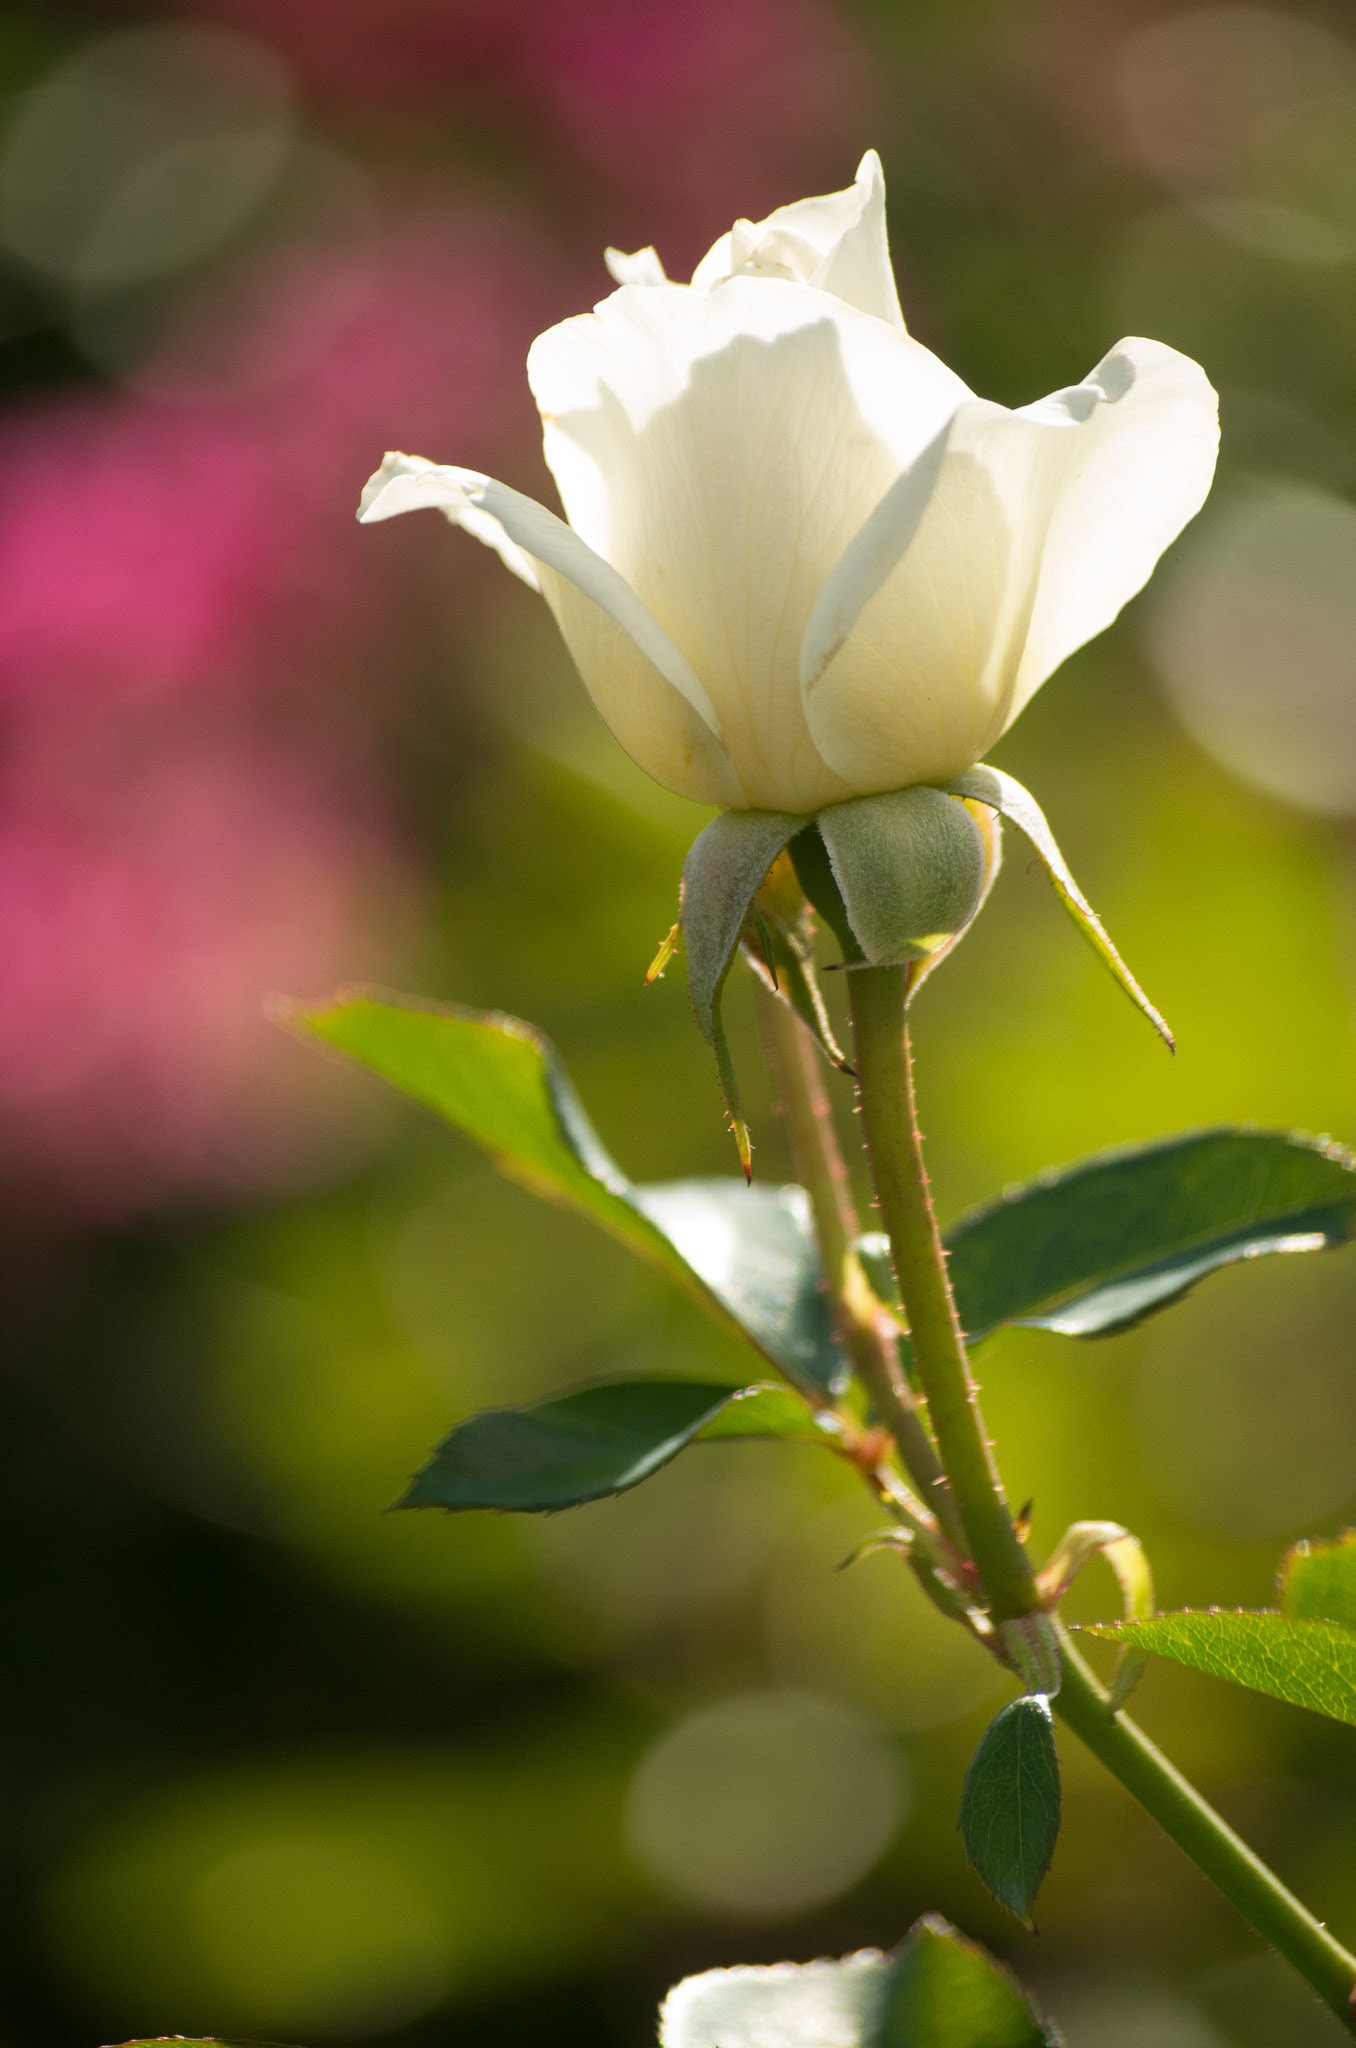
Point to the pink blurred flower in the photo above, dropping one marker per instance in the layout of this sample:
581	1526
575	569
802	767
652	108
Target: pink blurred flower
334	350
702	110
689	111
137	552
370	51
196	654
147	546
148	902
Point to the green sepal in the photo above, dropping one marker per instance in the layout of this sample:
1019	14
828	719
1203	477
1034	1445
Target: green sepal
990	825
909	865
1010	1805
596	1442
1083	1541
814	872
747	1255
1005	794
724	870
780	949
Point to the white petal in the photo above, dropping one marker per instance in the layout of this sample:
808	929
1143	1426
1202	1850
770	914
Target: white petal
1137	444
870	556
857	266
642	685
642	267
720	450
904	658
837	242
409	483
1020	543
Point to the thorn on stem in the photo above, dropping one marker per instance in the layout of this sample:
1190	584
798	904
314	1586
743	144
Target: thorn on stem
668	946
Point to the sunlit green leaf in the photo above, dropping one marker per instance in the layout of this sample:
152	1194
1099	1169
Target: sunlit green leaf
1308	1663
942	1991
596	1442
747	1253
1317	1581
1092	1248
1010	1803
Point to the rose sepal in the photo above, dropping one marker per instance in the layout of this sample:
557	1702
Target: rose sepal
1003	793
909	866
726	866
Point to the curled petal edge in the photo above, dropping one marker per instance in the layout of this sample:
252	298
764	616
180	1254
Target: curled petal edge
524	533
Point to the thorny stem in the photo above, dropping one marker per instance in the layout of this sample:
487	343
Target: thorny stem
865	1326
885	1073
884	1065
1207	1839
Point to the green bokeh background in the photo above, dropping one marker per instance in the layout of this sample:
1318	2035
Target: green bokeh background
275	1765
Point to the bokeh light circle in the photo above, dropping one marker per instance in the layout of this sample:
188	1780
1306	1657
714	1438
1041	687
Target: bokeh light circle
1253	633
146	151
765	1804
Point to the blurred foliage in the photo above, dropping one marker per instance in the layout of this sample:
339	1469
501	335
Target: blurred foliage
275	1764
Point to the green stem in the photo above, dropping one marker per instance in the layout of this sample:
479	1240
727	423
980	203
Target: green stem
868	1339
1211	1844
885	1076
884	1065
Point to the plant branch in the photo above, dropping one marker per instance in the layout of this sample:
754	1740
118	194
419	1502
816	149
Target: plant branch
1207	1839
865	1326
885	1078
884	1065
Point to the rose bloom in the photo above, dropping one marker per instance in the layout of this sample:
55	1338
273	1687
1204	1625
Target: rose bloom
803	562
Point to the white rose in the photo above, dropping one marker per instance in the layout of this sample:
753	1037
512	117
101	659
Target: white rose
803	561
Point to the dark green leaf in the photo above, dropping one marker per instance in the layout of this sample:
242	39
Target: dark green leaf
754	1250
1090	1249
1318	1581
1308	1663
598	1441
1009	1813
724	870
942	1991
747	1254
